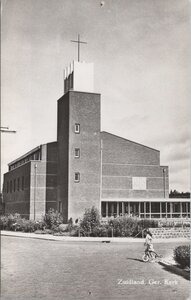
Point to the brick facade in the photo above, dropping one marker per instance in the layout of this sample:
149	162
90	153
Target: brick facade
32	184
122	160
17	201
82	109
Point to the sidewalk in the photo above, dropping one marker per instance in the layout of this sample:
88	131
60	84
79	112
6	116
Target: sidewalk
88	239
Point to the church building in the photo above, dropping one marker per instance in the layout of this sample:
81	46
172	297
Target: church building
88	167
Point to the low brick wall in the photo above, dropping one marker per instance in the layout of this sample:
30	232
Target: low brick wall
173	232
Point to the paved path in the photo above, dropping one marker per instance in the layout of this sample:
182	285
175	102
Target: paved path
87	239
34	268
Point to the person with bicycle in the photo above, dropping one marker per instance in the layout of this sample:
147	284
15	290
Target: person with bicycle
149	245
148	241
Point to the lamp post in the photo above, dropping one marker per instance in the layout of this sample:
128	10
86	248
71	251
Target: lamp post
35	171
101	158
164	172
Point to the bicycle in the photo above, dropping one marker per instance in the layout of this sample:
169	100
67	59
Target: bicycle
150	256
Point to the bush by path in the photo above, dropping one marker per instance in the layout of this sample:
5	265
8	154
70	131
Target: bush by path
182	255
89	225
14	222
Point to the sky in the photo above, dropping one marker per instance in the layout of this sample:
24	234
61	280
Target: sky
140	49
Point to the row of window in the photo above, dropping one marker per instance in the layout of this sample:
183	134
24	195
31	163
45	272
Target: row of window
33	156
16	184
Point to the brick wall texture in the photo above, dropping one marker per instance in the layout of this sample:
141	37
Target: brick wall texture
63	155
40	185
122	160
83	109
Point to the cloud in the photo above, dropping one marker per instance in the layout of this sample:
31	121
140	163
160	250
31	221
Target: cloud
142	70
180	153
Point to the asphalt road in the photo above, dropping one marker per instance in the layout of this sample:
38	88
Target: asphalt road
85	270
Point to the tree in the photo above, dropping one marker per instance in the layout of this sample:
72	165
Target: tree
90	220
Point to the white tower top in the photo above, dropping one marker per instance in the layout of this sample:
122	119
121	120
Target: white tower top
79	76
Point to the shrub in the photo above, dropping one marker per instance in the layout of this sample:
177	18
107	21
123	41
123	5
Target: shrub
63	227
27	225
40	225
124	226
100	231
3	222
90	220
147	224
74	231
61	233
52	219
44	231
16	223
70	226
182	255
9	222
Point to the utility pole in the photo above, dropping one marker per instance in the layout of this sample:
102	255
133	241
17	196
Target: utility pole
164	183
35	187
6	130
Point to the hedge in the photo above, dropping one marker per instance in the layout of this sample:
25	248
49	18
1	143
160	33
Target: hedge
182	255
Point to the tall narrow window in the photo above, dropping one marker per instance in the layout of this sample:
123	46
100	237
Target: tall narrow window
77	177
77	128
7	186
18	184
11	186
60	207
22	184
14	186
77	153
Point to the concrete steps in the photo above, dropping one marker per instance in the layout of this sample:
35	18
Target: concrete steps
173	232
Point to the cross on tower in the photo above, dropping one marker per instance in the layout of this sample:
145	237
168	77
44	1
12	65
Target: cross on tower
79	42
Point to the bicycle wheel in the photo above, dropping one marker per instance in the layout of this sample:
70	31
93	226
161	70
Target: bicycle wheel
145	257
152	257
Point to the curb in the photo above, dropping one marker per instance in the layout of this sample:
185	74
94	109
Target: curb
86	239
50	237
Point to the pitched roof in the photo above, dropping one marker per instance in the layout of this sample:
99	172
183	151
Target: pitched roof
116	136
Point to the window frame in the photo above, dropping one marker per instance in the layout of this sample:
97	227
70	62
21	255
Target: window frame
18	184
78	177
77	150
14	185
77	128
22	183
60	206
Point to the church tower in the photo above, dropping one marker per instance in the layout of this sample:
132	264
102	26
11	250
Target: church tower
78	136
